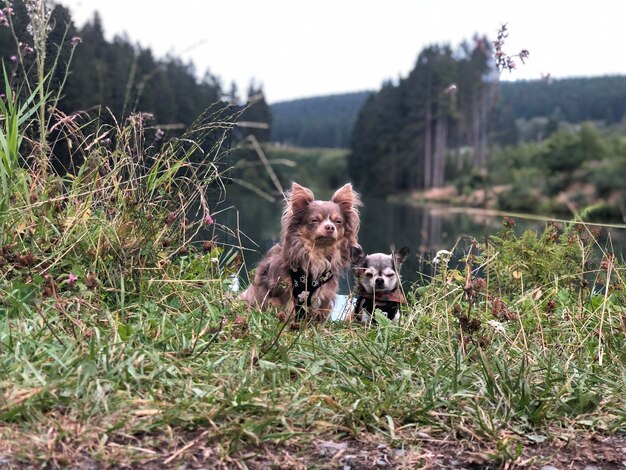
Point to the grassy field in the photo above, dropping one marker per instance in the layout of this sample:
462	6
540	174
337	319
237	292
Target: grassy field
121	345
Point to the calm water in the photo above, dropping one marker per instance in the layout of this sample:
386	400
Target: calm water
384	226
245	219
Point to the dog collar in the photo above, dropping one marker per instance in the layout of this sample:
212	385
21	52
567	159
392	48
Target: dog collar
303	286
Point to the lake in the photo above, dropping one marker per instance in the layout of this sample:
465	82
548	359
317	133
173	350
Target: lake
384	225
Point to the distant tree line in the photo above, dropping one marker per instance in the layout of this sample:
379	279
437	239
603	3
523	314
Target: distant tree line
324	121
524	110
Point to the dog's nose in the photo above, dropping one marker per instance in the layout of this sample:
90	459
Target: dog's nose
380	282
330	228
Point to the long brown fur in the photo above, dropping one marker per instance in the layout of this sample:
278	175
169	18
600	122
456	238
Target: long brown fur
316	236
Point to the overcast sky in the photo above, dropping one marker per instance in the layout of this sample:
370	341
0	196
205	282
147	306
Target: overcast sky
298	48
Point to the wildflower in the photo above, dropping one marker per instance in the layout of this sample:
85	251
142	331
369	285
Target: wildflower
553	235
503	60
207	245
510	63
523	55
442	254
509	222
208	220
171	217
479	284
76	40
607	262
159	134
71	279
13	58
500	310
497	326
4	16
234	283
26	260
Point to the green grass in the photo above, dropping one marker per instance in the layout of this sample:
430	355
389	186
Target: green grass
177	355
121	344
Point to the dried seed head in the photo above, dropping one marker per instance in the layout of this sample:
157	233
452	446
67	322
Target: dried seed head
509	222
91	281
479	284
26	260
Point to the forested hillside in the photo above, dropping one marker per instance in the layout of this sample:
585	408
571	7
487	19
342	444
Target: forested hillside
571	99
327	121
526	109
324	121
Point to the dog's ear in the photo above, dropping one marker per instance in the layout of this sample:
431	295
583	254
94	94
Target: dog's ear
345	197
357	254
300	197
400	255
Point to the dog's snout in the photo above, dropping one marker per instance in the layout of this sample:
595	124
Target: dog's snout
380	282
329	227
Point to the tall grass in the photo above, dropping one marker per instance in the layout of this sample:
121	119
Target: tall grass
15	120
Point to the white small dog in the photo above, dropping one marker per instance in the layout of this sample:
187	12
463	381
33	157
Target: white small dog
378	284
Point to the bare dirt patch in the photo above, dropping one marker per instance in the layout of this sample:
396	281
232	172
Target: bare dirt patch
200	449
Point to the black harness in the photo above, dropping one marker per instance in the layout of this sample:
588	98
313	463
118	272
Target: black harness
303	286
389	303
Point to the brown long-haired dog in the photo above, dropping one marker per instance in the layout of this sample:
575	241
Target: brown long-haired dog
301	273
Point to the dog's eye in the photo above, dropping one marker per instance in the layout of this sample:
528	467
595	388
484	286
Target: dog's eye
339	221
313	221
390	275
368	275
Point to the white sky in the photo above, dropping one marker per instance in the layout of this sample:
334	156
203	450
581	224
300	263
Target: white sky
299	48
